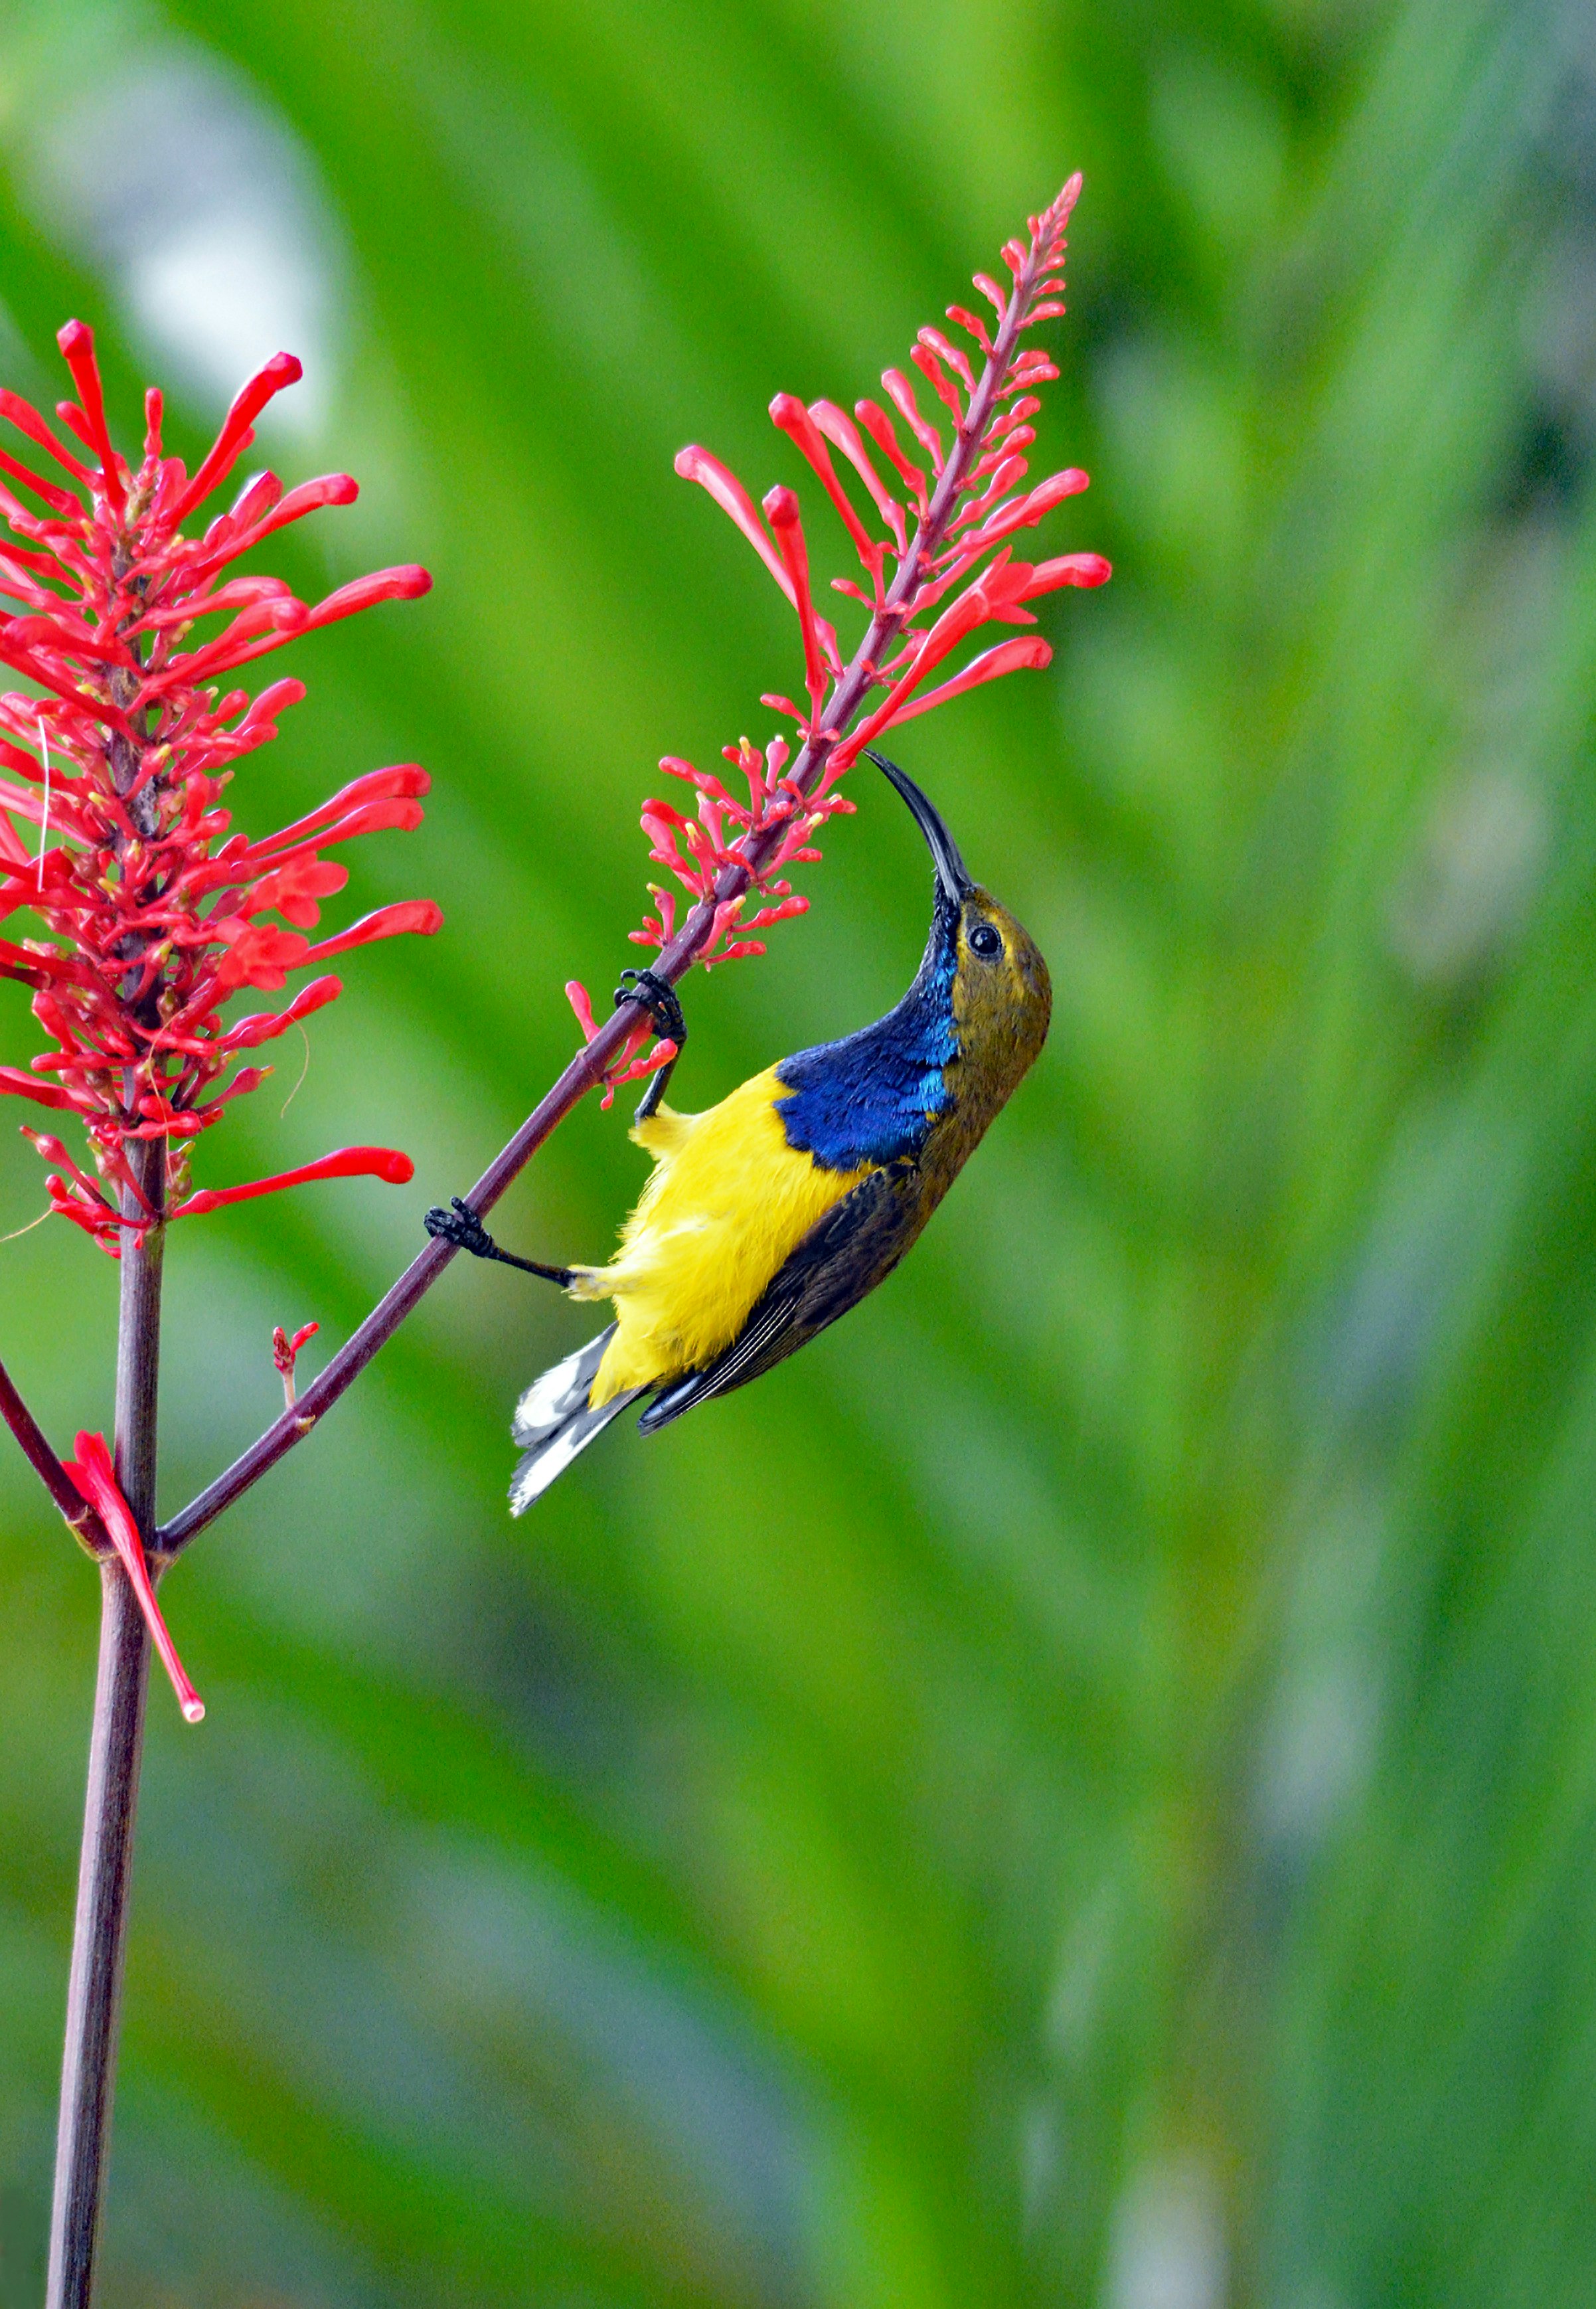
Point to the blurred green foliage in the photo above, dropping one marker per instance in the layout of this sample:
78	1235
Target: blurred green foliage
1081	1788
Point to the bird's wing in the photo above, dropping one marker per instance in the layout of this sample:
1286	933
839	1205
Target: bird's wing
844	1255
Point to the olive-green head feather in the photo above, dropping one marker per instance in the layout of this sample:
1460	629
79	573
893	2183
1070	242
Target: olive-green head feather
1001	994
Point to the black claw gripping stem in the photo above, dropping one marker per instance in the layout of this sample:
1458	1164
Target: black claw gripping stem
652	993
461	1225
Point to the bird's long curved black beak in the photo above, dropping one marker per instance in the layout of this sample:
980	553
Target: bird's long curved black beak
953	878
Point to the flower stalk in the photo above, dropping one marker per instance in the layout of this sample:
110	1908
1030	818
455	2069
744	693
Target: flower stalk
116	1746
119	752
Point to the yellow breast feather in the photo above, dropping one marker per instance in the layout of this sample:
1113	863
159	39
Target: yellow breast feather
727	1203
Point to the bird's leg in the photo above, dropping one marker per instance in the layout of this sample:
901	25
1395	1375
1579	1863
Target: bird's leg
659	999
460	1226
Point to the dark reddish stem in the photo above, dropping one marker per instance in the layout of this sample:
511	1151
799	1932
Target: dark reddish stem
849	693
116	1743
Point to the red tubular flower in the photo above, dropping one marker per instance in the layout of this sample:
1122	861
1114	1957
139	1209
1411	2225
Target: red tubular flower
385	1163
92	1471
967	499
150	905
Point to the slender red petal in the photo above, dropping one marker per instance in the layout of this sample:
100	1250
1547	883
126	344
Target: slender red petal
92	1471
417	915
789	413
941	384
841	432
310	496
1025	650
1068	569
58	499
282	369
405	584
781	511
264	1025
282	616
405	779
879	425
14	1081
974	325
582	1002
696	464
385	1163
28	421
76	341
945	350
902	395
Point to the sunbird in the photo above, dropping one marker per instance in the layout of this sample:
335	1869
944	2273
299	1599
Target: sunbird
770	1215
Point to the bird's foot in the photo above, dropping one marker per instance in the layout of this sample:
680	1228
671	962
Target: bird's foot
653	994
459	1226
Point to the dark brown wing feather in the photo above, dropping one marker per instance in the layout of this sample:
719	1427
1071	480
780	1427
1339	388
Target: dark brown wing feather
843	1255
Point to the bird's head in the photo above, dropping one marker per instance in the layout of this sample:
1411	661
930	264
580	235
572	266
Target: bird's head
1002	996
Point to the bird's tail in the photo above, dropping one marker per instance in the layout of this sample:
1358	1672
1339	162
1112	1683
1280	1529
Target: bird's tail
553	1422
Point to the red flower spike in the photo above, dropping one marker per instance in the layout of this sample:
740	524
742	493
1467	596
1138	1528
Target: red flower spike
959	548
151	906
92	1471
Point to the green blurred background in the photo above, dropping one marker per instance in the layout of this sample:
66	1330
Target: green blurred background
1081	1788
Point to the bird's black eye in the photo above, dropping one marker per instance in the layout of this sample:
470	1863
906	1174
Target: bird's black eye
986	941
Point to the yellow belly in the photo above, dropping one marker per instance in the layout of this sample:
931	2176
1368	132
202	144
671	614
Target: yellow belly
728	1202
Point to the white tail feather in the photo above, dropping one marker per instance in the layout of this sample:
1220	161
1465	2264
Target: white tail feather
554	1422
